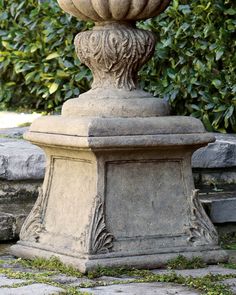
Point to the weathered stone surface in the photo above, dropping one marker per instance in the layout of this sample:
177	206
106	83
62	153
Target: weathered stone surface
215	177
4	281
39	289
21	160
7	227
231	283
232	256
16	200
17	190
143	288
10	225
111	183
110	285
197	273
112	10
115	50
114	127
63	279
220	154
16	132
213	269
114	53
223	210
117	192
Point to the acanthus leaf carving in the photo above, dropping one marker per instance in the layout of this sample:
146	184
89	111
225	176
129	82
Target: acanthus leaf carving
101	241
115	52
33	224
202	230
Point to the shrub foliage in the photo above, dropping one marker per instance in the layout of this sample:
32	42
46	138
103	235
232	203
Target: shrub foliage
195	61
38	65
194	66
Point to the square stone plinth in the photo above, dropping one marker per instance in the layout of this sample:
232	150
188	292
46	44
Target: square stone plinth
121	198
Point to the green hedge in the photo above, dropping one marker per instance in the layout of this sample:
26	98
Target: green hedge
194	66
38	65
195	61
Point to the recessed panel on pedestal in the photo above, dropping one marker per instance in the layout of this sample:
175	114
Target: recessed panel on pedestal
146	200
68	208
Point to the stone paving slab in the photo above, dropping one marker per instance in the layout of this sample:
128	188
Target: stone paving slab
9	282
14	133
141	289
106	284
20	159
34	289
201	272
109	284
232	256
231	283
220	154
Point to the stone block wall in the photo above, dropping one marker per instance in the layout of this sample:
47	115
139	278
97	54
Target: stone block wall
215	165
22	167
214	169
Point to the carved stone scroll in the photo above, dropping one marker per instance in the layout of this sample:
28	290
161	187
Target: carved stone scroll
202	231
33	224
100	238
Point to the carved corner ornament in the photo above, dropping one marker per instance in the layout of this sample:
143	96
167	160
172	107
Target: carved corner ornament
33	224
101	241
202	230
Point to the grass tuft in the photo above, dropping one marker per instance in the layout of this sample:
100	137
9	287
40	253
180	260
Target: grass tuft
182	262
208	285
52	264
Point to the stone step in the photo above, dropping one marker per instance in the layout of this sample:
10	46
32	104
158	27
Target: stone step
220	206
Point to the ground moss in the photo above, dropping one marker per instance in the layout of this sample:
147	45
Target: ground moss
52	264
208	285
228	241
182	262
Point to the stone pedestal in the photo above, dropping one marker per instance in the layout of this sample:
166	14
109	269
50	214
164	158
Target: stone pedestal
118	192
118	189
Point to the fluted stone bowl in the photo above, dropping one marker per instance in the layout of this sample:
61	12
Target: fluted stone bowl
113	10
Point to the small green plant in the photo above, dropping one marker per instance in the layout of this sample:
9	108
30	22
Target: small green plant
228	241
116	272
52	264
208	285
42	278
230	265
182	262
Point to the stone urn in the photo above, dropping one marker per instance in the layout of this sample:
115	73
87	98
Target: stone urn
113	10
114	51
118	189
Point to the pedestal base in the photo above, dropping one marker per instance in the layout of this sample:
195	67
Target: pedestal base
118	192
148	261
